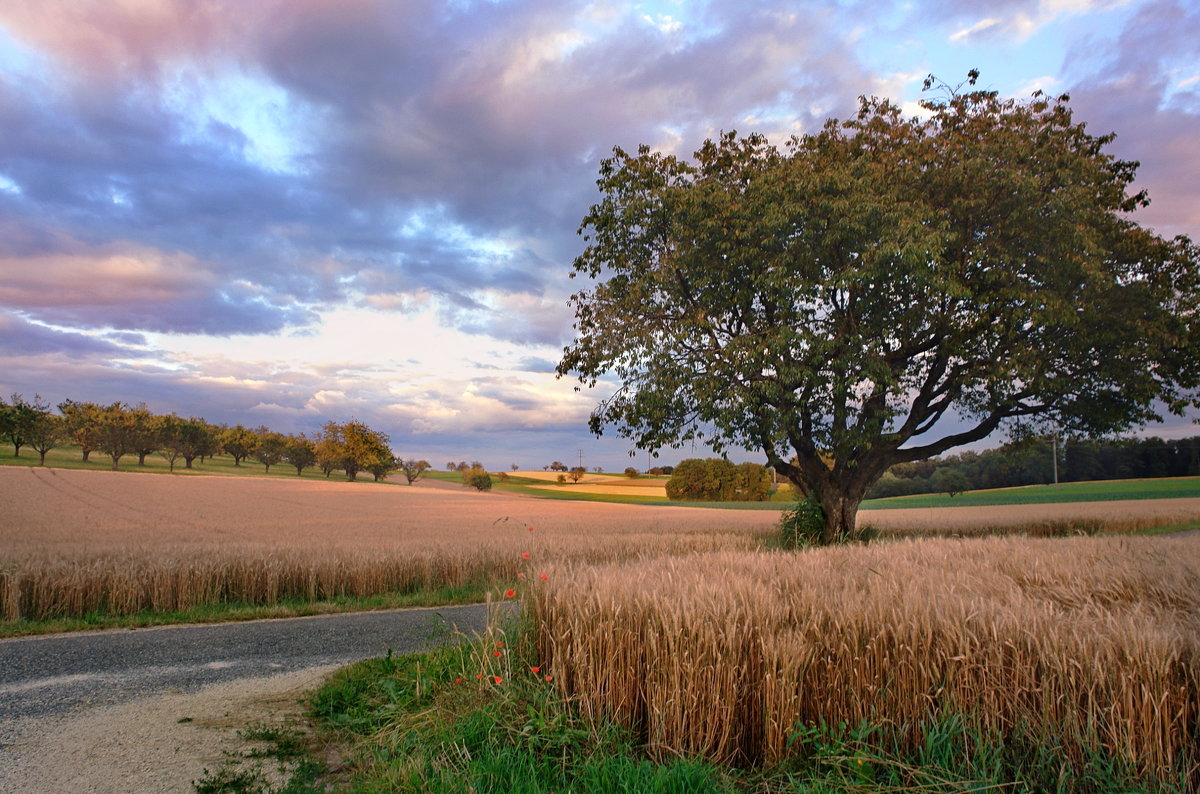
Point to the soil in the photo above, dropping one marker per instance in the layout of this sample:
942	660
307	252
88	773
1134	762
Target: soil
161	743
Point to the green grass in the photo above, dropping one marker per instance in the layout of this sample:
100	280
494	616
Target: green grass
233	612
220	465
426	723
1096	491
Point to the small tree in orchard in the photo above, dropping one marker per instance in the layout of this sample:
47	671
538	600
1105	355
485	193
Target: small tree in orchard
44	430
238	442
831	302
118	432
196	438
298	451
145	432
577	473
81	421
270	448
412	468
17	419
169	430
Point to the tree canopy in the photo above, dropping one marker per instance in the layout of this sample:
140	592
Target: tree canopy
833	301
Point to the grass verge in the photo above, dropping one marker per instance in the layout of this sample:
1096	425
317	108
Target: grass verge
233	612
481	717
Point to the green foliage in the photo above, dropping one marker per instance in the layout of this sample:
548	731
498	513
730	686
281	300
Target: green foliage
831	301
478	478
270	448
950	482
802	526
631	472
353	447
299	451
238	442
718	480
402	712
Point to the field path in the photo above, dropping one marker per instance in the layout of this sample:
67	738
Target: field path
151	709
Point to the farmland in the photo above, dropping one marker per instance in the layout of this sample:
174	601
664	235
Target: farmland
639	603
96	543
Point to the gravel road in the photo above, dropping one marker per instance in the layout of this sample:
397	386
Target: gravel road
143	710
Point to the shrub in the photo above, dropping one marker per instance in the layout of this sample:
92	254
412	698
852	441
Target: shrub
801	526
478	478
631	472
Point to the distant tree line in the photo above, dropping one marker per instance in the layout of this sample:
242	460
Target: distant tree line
1031	462
118	430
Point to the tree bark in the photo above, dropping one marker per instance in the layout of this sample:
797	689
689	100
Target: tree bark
115	460
841	516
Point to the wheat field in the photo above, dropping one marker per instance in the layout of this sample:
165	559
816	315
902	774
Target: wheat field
115	543
74	543
1090	642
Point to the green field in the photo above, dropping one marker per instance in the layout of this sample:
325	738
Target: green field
221	465
1096	491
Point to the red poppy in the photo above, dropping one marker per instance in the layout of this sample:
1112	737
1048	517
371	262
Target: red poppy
509	593
544	577
549	678
458	680
526	555
497	679
498	653
520	576
530	529
536	669
479	676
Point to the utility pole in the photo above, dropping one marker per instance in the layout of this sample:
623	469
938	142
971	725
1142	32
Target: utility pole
1054	446
581	458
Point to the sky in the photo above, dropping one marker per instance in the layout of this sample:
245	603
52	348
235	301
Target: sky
292	211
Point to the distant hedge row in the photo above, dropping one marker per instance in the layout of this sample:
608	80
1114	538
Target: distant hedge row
718	480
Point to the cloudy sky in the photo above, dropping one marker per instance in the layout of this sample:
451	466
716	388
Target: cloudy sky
287	211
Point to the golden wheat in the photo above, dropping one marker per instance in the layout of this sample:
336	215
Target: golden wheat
1092	641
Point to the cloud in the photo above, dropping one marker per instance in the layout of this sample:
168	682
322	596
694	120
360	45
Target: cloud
20	337
1130	89
289	146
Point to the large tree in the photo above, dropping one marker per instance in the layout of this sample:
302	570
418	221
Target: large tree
832	302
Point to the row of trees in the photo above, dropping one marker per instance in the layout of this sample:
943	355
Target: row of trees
119	430
718	480
1032	462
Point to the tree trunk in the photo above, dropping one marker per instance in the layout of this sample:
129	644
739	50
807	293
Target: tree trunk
187	461
42	460
16	450
142	458
115	459
87	451
841	511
